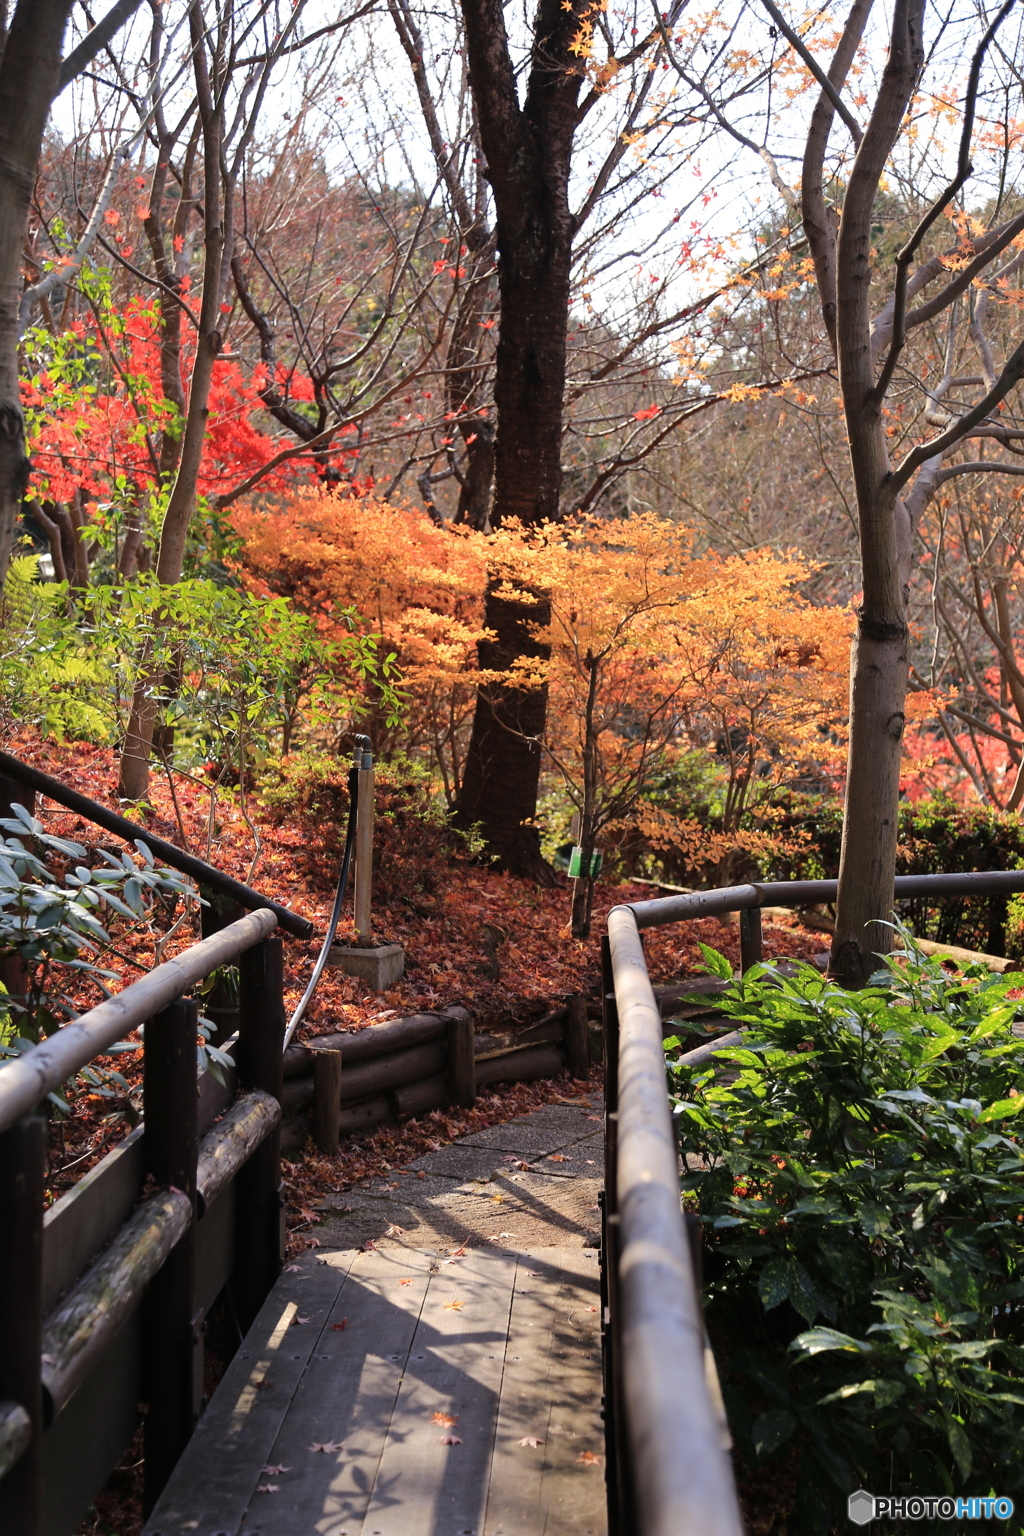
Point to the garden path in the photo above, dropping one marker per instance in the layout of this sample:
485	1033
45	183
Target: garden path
443	1379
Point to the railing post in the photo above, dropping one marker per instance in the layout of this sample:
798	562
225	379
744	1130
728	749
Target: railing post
327	1070
220	1005
259	1225
22	1161
171	1328
461	1062
751	950
577	1037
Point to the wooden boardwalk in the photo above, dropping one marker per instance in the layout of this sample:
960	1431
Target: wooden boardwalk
396	1392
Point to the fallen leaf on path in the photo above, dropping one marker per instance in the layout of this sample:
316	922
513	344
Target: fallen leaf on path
420	1174
298	1321
593	1117
531	1441
453	1306
330	1446
312	1242
395	1231
450	1440
267	1488
339	1327
589	1459
275	1471
557	1157
405	1282
591	1309
307	1215
497	1199
368	1246
290	1269
448	1420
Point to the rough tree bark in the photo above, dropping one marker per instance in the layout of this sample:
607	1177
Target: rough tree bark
528	150
31	75
878	665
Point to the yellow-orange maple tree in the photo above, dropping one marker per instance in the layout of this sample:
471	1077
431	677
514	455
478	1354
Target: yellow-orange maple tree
650	648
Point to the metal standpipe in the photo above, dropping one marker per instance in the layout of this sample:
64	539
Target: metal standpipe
682	1476
363	761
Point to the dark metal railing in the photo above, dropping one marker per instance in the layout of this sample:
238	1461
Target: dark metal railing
667	1465
32	779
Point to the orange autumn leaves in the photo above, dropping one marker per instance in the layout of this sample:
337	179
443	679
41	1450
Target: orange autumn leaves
655	647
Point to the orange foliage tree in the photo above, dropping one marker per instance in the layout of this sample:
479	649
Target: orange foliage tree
646	648
418	586
652	650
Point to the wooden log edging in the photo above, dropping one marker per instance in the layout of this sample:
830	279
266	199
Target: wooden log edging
78	1329
232	1141
15	1434
402	1069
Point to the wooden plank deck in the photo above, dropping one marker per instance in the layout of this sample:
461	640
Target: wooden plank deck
382	1357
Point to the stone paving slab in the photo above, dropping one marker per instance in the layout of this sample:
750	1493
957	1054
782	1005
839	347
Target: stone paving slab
472	1194
549	1129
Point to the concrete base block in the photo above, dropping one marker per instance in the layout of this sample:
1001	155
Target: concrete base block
380	966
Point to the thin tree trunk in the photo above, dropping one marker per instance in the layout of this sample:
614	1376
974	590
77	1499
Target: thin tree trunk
29	74
878	676
138	744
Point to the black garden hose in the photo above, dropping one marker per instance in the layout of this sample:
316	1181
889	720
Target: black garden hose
362	746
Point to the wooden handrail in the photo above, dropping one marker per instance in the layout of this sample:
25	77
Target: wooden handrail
672	1477
30	1077
810	893
131	832
681	1477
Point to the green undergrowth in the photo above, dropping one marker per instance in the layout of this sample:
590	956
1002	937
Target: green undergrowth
860	1181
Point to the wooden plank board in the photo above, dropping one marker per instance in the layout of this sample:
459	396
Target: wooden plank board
84	1220
346	1398
423	1487
551	1391
214	1482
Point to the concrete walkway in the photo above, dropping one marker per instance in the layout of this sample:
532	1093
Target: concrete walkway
531	1183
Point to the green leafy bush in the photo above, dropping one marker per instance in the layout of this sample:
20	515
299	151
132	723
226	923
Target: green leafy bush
936	836
860	1175
53	895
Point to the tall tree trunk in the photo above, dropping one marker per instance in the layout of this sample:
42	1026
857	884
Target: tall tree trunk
528	151
499	786
29	73
878	677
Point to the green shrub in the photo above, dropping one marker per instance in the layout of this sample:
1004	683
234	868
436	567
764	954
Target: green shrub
860	1181
935	836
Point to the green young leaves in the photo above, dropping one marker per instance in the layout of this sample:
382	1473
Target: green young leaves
859	1172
